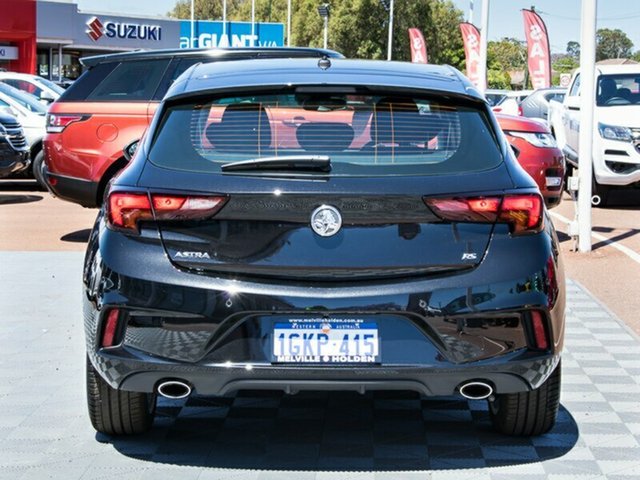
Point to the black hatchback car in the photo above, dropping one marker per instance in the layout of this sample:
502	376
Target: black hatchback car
323	225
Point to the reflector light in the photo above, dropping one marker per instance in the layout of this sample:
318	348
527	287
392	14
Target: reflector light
125	210
539	331
523	213
110	328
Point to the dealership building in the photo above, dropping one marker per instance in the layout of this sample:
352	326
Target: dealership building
48	38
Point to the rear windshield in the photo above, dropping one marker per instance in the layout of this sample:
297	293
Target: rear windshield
362	134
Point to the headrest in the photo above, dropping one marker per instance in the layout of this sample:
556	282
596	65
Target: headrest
325	136
244	128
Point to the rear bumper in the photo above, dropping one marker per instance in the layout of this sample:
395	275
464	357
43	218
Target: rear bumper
215	334
72	189
506	376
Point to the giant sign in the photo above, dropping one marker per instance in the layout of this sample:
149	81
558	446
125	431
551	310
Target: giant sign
209	34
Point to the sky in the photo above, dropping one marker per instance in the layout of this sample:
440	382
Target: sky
562	17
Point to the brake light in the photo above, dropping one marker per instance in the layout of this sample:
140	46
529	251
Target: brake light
539	330
520	111
125	210
56	123
523	213
110	328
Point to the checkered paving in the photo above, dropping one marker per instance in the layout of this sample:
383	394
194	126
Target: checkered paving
45	432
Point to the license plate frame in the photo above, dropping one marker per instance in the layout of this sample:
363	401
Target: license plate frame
325	341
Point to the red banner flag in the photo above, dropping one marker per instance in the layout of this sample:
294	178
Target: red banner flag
538	47
418	46
471	40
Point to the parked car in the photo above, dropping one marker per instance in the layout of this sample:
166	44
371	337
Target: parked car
44	89
328	224
111	105
511	102
616	135
495	96
536	105
14	153
538	153
30	113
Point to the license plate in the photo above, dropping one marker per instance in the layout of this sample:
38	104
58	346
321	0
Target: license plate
326	341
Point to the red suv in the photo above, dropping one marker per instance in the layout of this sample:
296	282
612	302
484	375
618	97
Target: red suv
537	153
111	105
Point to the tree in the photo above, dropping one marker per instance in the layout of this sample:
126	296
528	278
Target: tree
573	50
612	44
504	56
203	9
357	28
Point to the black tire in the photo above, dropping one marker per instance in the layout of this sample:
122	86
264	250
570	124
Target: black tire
37	167
570	171
527	413
601	191
116	412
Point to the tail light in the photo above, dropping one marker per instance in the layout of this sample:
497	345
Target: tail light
56	123
125	210
523	213
110	329
539	330
520	112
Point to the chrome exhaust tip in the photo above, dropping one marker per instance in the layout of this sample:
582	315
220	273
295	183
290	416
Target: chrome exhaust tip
475	390
174	389
596	200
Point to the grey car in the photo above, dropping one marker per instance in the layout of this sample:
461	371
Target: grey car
536	105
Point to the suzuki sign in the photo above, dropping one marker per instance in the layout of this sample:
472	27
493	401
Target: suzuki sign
96	29
237	34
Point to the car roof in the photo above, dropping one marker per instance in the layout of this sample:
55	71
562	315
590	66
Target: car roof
24	76
613	69
310	71
213	52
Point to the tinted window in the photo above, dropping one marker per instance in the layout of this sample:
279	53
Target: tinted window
363	134
56	88
130	81
575	88
24	86
87	82
558	97
177	68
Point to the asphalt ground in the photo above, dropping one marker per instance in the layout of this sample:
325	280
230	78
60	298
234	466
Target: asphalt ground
45	431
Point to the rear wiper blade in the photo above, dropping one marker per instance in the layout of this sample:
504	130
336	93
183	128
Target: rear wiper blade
319	163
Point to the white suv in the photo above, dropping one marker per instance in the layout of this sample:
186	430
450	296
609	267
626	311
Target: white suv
616	136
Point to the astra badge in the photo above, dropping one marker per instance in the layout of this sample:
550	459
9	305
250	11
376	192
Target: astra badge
326	220
191	255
